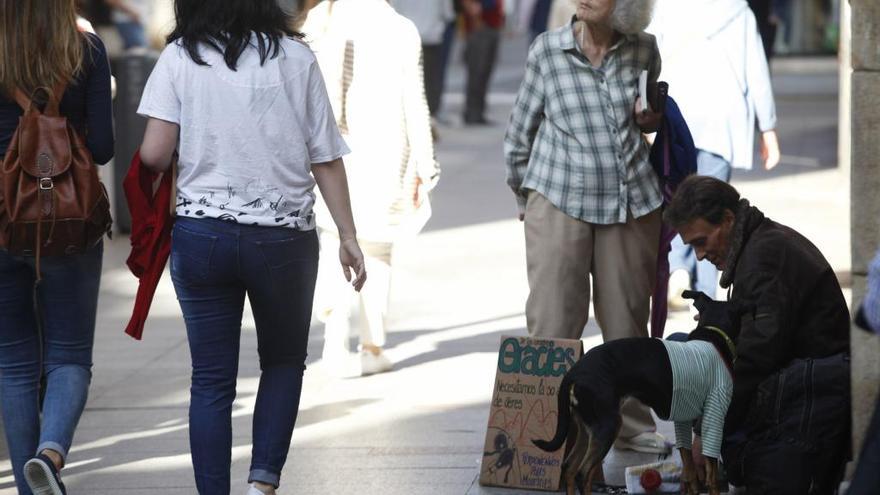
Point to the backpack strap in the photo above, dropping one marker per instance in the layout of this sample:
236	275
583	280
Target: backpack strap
22	99
52	104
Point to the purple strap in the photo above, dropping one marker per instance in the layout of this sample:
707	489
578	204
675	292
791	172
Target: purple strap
659	307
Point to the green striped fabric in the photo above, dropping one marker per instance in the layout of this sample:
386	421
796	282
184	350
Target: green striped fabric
701	386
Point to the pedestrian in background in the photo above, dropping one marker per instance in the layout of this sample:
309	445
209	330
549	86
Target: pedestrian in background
130	18
763	10
578	166
714	62
484	20
47	329
539	17
449	35
370	56
243	102
430	18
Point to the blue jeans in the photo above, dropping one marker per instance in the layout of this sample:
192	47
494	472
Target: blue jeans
214	264
132	33
48	332
704	275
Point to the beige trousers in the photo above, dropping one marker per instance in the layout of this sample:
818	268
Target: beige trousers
336	295
563	255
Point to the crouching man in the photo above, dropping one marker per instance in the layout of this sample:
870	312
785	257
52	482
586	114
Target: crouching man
788	426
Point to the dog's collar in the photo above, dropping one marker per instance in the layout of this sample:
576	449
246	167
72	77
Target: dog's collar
730	346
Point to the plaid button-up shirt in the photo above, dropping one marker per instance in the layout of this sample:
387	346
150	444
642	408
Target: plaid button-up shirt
572	136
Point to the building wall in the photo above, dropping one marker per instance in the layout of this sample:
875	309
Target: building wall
865	202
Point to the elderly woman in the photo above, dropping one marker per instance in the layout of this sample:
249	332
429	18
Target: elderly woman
578	166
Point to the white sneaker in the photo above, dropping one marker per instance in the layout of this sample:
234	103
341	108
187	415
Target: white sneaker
253	490
679	281
372	364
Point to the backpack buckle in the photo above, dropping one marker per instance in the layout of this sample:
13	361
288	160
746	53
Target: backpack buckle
46	183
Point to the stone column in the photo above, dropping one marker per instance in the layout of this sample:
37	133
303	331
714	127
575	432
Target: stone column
865	201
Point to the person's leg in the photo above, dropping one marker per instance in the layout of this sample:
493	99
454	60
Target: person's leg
374	306
204	269
445	52
624	269
681	256
67	298
431	60
280	267
487	67
374	299
473	54
682	268
335	298
19	364
559	250
480	53
711	165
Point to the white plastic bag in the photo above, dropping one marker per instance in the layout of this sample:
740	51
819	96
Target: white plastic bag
670	474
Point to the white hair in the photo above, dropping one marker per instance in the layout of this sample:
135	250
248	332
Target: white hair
632	16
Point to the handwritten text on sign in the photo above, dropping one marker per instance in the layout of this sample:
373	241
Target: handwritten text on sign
524	408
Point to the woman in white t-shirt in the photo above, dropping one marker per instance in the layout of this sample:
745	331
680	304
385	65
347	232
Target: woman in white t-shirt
242	101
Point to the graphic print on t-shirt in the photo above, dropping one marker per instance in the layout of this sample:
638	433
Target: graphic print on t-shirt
253	203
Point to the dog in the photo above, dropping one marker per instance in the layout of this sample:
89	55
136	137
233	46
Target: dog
590	394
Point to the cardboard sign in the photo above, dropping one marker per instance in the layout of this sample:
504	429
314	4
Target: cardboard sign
524	407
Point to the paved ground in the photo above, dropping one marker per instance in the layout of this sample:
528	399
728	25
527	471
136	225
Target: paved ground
458	288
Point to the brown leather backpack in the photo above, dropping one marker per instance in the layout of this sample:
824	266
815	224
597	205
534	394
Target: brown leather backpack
51	200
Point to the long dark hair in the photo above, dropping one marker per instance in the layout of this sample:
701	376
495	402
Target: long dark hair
226	26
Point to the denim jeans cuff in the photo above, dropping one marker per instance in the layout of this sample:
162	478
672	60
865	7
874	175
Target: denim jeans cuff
52	446
264	476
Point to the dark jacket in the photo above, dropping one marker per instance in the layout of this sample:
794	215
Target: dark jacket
799	313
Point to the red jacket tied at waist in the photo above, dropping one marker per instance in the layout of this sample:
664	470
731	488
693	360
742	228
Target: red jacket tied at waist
151	223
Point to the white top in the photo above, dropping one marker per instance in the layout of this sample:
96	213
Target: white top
714	62
247	137
370	57
429	16
142	7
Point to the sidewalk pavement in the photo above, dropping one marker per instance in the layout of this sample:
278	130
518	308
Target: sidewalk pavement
458	287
